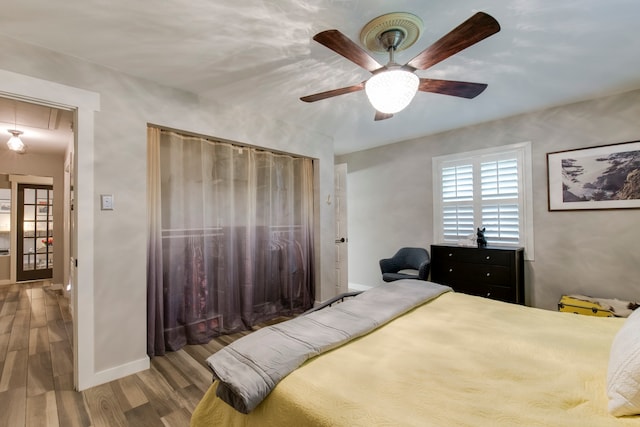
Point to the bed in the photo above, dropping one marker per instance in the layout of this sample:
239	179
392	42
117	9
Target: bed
456	360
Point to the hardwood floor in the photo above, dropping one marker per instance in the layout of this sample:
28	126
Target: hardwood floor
36	381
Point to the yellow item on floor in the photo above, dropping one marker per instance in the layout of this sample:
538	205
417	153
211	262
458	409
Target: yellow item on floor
579	306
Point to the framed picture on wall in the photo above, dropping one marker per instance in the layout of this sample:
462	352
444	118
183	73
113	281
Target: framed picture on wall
601	177
5	206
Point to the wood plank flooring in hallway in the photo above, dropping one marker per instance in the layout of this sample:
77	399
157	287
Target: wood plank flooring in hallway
36	366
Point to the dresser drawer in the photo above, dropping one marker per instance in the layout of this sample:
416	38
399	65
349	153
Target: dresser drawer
452	272
500	293
472	255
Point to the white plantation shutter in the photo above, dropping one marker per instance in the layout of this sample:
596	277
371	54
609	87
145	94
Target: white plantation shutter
502	223
500	201
499	179
457	221
457	183
457	198
486	188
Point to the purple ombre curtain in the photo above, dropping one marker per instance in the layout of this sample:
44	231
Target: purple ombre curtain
230	238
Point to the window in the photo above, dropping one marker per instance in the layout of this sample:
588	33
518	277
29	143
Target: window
486	188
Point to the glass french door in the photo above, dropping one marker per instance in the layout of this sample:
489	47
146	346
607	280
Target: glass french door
35	232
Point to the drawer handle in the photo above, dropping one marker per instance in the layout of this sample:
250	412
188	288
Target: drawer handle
488	294
488	274
488	257
450	270
450	254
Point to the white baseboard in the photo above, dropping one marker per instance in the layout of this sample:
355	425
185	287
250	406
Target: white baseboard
117	372
359	287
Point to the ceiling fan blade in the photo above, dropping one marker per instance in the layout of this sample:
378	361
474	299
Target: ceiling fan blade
382	116
477	28
331	93
450	87
341	44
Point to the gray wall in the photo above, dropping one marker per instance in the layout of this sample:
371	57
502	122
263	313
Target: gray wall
587	252
127	104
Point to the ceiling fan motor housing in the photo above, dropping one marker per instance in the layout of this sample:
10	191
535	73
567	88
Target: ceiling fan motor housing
399	29
391	39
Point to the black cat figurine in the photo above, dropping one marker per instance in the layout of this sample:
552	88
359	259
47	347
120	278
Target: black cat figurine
482	242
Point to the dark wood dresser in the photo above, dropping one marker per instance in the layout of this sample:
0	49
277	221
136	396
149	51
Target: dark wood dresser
492	272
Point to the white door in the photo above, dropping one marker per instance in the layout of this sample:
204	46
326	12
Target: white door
340	206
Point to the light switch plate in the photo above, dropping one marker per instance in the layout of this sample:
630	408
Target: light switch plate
106	202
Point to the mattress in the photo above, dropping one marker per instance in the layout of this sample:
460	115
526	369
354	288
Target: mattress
458	360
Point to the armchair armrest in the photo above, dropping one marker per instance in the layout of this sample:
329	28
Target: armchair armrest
389	265
423	270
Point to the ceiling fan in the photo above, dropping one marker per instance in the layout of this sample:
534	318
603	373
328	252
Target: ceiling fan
397	31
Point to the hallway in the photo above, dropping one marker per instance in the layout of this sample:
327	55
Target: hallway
36	381
35	354
36	361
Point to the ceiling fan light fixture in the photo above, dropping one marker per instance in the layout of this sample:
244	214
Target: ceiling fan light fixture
15	143
392	90
393	86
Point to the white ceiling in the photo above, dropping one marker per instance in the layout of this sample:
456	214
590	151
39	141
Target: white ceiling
259	55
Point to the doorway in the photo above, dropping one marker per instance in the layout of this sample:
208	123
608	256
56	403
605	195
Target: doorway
47	133
34	232
37	204
84	104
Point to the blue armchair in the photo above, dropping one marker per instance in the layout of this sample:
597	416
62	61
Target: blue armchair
407	263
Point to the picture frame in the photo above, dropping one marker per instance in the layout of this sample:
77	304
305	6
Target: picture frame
599	177
5	206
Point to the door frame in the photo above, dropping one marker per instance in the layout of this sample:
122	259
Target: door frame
84	103
341	228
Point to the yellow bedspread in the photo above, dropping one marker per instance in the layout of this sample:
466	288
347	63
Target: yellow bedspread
459	360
